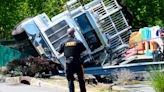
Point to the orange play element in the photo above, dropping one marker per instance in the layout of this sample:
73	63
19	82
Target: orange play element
135	40
150	46
153	46
141	51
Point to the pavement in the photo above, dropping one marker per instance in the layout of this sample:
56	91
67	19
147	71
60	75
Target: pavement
134	88
55	84
13	84
59	84
5	87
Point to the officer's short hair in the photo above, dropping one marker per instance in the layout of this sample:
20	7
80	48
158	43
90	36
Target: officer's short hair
70	31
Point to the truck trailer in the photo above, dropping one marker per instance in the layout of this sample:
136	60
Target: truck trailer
95	23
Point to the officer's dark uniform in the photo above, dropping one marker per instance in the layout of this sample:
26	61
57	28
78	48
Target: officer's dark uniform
72	49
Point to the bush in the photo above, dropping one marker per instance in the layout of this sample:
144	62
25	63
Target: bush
123	76
32	66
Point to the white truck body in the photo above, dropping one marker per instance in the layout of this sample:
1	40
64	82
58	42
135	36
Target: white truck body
91	22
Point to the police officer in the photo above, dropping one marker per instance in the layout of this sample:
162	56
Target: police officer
72	49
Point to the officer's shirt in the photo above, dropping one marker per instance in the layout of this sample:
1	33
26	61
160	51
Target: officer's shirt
71	47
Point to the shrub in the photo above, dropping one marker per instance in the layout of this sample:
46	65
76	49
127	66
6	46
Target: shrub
31	66
123	76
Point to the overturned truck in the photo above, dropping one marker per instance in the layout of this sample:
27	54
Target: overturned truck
95	23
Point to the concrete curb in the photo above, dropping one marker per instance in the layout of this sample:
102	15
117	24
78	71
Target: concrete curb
12	80
32	81
2	79
119	88
36	82
39	83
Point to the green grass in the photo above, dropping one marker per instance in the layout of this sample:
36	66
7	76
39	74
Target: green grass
157	80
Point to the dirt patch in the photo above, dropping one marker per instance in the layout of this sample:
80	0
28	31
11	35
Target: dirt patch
61	81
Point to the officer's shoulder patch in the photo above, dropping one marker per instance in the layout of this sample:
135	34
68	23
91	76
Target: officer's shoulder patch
71	43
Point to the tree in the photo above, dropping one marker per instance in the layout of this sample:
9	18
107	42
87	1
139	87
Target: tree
14	11
145	12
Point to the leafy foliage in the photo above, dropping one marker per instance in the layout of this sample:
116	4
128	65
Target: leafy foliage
157	80
145	12
14	11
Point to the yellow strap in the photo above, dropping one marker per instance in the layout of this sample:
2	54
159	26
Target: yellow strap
70	44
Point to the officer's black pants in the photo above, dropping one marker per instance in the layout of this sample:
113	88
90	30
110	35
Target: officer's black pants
71	68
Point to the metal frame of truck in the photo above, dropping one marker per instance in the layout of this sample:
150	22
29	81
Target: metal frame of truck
102	16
